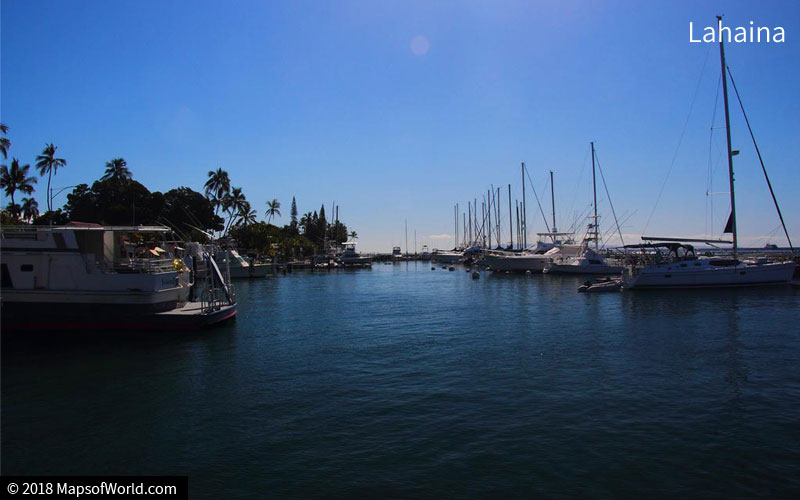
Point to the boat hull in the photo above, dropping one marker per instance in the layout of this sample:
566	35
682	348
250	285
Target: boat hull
84	317
579	269
447	258
252	271
521	264
673	276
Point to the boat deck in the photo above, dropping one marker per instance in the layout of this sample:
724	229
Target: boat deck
191	315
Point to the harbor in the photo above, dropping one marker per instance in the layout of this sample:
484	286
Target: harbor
420	250
401	381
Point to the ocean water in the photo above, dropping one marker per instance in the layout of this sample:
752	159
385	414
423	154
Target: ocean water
402	382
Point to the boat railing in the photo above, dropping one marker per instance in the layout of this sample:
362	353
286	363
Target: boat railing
152	266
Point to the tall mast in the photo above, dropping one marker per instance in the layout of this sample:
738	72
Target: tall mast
489	214
455	231
553	199
594	192
497	207
469	216
406	222
728	136
524	225
510	220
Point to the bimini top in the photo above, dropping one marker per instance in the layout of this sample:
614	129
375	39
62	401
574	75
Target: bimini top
672	246
692	240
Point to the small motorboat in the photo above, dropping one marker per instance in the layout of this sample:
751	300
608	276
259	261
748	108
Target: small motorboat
607	284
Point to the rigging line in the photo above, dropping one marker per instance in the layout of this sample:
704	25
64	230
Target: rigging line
573	228
710	178
760	159
603	177
580	176
546	185
537	199
680	139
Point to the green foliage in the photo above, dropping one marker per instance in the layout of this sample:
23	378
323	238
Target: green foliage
273	209
112	203
58	218
16	179
184	208
265	238
117	169
293	213
47	163
8	218
4	142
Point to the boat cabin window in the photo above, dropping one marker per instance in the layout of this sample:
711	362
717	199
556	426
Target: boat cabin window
5	277
595	261
724	262
26	268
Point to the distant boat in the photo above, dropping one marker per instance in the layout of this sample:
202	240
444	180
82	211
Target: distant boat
447	256
680	267
586	260
351	258
397	254
87	276
770	246
240	268
533	260
607	284
426	255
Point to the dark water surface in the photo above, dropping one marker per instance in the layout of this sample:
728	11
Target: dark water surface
404	382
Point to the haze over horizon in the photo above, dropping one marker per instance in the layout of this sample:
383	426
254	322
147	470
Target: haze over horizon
399	110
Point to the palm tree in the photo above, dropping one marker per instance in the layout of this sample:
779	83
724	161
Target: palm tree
353	235
217	187
234	204
246	215
305	221
273	209
30	209
47	163
16	179
4	142
117	169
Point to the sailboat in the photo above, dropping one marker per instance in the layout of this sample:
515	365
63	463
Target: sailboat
534	259
584	260
674	262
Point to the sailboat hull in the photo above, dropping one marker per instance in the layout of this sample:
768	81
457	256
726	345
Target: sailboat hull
582	269
703	275
515	263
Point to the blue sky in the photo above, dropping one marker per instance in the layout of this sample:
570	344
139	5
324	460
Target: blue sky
327	101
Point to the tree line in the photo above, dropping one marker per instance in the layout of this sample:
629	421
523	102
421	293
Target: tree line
117	199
